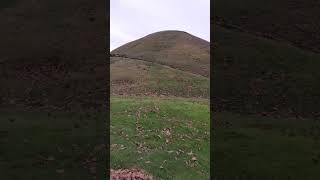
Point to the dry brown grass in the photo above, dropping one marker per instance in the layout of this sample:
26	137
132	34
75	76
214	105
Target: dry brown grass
127	71
128	174
172	48
137	77
127	76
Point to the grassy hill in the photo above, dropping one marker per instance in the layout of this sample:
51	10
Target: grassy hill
138	77
159	106
42	54
176	49
257	74
266	98
45	67
295	21
267	103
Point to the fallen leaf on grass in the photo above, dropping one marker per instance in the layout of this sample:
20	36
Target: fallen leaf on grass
166	131
161	167
190	153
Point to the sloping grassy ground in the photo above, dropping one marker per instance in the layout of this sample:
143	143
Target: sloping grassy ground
137	77
264	148
58	68
177	49
292	20
263	64
37	145
259	76
169	138
256	74
52	82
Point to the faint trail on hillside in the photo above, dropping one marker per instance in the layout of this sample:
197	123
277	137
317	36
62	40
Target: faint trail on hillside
159	63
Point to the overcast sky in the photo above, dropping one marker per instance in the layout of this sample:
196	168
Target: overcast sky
133	19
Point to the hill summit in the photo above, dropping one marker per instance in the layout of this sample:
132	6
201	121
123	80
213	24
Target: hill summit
177	49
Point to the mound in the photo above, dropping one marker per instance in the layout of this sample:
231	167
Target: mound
172	65
176	49
264	75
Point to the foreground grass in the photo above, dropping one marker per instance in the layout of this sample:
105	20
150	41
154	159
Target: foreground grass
37	145
252	147
169	138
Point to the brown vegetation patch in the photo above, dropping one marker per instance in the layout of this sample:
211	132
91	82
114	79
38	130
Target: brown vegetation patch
129	174
176	49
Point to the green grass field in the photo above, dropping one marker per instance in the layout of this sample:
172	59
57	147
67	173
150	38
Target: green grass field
37	145
250	147
169	138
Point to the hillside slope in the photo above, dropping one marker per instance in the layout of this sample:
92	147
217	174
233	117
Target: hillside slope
43	62
295	21
137	77
51	82
176	49
158	84
266	77
257	74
